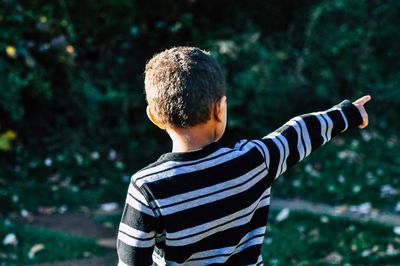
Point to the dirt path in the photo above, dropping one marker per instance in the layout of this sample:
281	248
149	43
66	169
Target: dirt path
99	261
360	213
81	224
84	224
75	223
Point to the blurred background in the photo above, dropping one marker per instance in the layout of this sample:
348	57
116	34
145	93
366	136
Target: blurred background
73	127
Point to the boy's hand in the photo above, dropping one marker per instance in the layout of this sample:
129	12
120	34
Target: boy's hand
360	106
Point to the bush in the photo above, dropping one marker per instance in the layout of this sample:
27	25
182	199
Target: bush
71	77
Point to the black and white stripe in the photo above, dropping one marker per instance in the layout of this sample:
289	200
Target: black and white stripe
134	237
183	168
221	255
137	201
196	233
210	194
210	206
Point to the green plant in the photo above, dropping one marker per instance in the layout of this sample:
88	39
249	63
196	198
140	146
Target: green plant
30	245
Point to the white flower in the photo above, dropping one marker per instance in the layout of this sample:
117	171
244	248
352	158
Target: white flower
347	155
283	215
397	208
356	189
112	155
228	48
63	209
109	206
387	191
78	158
24	213
311	171
391	251
365	253
268	240
10	239
396	230
15	198
341	179
324	219
95	155
366	136
48	162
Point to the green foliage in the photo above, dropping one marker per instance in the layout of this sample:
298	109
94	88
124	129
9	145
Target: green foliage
346	45
71	78
340	54
348	172
304	239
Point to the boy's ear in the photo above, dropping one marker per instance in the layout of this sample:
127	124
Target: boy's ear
220	109
153	118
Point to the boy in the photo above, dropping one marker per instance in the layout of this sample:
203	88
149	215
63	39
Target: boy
204	203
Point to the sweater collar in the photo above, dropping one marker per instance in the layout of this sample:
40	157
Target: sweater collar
190	155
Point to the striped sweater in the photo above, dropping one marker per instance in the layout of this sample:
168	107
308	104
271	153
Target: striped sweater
210	206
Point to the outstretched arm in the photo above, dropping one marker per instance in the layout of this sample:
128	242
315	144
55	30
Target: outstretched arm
302	135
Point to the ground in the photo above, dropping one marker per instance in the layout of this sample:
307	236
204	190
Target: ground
95	224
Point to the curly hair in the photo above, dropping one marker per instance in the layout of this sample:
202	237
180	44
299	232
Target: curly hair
182	84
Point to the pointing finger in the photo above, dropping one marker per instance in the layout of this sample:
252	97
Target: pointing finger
363	100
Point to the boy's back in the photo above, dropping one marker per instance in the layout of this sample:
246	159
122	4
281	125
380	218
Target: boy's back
210	205
213	203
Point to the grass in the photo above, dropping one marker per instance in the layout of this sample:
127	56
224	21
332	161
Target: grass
56	246
300	239
305	239
352	170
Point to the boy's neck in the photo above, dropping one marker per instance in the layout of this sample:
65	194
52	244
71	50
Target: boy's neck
192	138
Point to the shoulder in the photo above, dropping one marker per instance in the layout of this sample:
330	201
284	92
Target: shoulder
173	164
245	145
149	172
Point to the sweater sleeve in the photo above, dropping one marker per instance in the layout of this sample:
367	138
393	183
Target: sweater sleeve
137	234
303	134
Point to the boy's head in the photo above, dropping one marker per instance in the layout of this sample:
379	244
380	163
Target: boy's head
182	86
